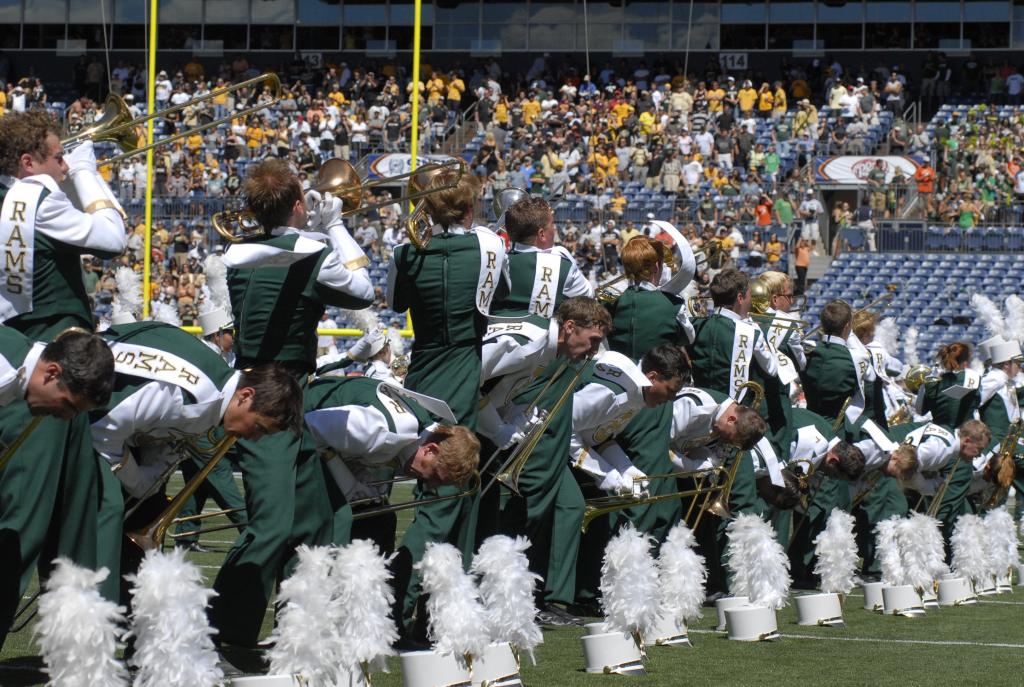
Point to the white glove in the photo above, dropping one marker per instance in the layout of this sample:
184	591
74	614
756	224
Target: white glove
635	483
612	482
139	480
325	211
81	159
507	436
348	483
359	491
528	424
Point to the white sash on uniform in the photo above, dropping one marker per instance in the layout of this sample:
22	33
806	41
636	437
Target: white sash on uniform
17	234
388	393
492	251
742	354
781	326
545	284
163	366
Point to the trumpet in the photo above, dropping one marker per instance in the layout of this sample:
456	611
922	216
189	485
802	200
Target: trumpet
385	508
116	125
1001	468
597	507
605	293
918	376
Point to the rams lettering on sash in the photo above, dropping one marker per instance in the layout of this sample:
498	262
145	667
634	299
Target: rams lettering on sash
130	361
15	250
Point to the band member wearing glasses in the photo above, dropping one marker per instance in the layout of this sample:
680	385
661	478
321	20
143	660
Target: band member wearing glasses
56	208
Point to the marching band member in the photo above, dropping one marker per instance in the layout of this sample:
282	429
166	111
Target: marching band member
529	364
218	334
448	284
56	208
835	372
828	464
279	288
887	397
171	386
999	407
782	338
602	408
362	424
644	317
541	273
70	375
953	398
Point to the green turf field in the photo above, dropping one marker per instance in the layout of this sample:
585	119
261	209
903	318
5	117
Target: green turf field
970	645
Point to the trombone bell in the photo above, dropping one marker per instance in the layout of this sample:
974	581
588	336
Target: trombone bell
340	178
238	225
114	125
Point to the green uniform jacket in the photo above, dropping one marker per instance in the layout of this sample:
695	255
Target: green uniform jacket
829	379
334	392
948	411
276	309
527	277
644	319
711	352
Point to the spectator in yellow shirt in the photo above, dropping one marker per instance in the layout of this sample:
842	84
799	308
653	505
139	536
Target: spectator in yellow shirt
647	123
435	86
779	104
501	111
623	110
765	101
531	110
617	203
747	98
455	90
716	96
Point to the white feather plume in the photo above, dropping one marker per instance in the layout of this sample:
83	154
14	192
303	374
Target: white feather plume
1021	524
361	580
164	312
970	552
396	341
989	314
217	296
681	575
910	354
629	583
887	333
367	319
759	564
507	590
128	299
1015	317
78	629
306	639
921	563
887	550
1002	540
173	646
836	550
458	621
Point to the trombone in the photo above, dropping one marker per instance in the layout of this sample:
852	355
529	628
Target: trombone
597	507
152	537
882	302
341	179
384	508
117	126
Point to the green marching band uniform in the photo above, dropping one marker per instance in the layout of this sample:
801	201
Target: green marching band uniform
645	317
49	490
280	288
726	352
602	408
810	438
521	368
169	386
999	408
219	485
539	280
448	287
362	424
839	375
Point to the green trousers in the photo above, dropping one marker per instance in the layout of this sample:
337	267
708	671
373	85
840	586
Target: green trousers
342	520
219	486
955	502
110	531
881	503
454	375
380	529
829	494
287	504
645	440
48	502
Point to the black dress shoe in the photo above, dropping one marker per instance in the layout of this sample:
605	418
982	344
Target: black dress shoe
586	609
555	615
406	643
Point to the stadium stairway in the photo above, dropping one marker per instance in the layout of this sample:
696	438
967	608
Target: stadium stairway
933	291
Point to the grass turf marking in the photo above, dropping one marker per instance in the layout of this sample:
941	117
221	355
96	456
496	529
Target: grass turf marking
930	642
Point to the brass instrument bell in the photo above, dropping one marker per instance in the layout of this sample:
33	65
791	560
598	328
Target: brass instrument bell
760	296
506	198
339	178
